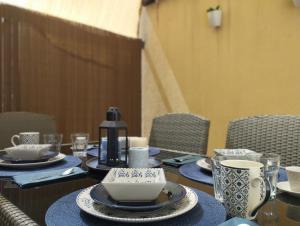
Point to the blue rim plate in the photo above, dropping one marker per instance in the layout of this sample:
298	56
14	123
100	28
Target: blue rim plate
170	194
45	157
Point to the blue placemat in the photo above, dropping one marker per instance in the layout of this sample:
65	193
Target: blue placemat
237	221
68	161
152	151
65	212
194	172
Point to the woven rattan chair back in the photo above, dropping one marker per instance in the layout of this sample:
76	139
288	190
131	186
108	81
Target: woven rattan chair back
181	132
10	215
271	133
15	122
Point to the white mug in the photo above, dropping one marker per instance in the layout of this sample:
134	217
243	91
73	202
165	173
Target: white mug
26	138
293	173
138	157
243	187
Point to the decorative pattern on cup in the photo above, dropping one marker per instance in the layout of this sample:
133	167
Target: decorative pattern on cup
236	185
26	138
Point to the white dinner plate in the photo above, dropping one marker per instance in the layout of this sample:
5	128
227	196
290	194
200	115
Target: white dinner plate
55	159
86	203
204	165
285	186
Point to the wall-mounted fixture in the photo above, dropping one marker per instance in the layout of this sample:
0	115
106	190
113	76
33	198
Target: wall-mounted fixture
296	3
148	2
214	16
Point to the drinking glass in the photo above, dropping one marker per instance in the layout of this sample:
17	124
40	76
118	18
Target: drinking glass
271	163
79	144
216	172
55	139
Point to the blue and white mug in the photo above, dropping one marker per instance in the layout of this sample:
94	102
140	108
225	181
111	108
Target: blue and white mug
244	187
26	138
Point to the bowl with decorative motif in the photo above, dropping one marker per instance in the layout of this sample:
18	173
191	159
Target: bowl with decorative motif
134	184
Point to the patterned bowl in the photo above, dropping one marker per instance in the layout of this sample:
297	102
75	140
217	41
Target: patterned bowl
134	184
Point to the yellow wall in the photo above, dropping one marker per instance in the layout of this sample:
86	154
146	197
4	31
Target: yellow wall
250	66
118	16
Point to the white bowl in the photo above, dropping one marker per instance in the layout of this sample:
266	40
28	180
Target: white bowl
27	151
234	152
134	184
293	173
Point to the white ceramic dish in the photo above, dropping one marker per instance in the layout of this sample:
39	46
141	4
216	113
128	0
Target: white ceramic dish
27	151
203	164
234	152
50	161
285	186
128	184
85	203
293	173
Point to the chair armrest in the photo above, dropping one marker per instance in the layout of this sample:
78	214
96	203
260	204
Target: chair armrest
11	215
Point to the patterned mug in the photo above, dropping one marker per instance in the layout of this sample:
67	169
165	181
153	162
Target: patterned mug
26	138
244	187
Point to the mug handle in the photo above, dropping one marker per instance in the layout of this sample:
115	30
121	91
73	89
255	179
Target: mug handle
267	185
12	139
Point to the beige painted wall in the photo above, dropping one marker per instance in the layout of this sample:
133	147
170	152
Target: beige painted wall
249	66
118	16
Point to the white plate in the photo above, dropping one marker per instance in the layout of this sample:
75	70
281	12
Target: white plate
285	186
234	152
55	159
85	203
203	164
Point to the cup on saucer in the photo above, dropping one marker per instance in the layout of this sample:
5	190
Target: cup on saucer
293	173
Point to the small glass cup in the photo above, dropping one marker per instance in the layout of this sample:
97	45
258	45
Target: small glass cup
79	144
271	163
216	172
55	139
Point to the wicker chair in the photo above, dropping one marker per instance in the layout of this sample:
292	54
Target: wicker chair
271	133
10	215
181	132
15	122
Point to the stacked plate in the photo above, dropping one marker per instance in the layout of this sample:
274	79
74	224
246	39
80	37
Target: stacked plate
171	203
151	197
23	156
205	164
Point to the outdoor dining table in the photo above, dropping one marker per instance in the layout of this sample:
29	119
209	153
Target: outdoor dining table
35	202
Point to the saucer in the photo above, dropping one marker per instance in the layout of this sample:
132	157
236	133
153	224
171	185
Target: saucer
203	164
171	194
285	186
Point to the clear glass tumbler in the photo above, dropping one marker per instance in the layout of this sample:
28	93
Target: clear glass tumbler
79	144
216	172
55	139
271	163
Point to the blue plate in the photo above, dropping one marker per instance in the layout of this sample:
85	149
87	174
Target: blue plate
170	194
93	151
